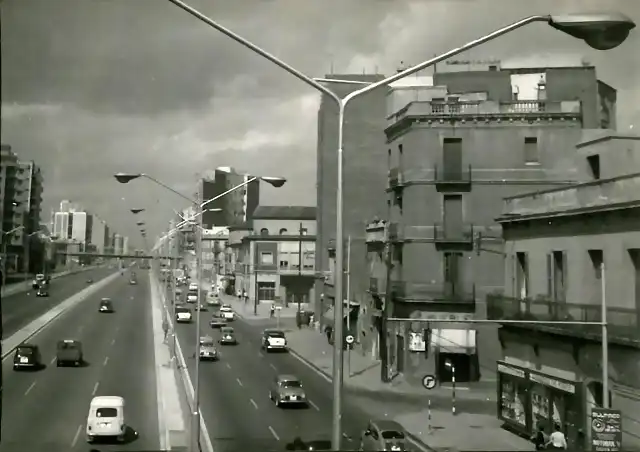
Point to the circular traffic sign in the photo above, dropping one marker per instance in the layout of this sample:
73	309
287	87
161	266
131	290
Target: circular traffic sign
429	381
349	339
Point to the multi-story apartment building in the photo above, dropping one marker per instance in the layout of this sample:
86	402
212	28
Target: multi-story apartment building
571	254
213	253
29	195
235	207
108	240
125	245
456	147
98	234
81	227
275	259
365	171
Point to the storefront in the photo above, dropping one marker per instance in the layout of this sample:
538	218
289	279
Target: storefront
528	399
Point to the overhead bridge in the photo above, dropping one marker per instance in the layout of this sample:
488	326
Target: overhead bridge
118	256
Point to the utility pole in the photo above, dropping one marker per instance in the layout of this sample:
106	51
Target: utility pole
298	318
386	314
255	283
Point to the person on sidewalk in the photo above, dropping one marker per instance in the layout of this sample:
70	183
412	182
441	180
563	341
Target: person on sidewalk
540	439
557	440
272	311
165	328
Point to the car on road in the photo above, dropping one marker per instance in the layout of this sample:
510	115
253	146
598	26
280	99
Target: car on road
217	320
183	315
201	307
69	353
287	390
315	444
213	299
206	340
384	434
193	286
274	340
227	312
192	296
42	291
133	281
39	279
106	306
208	350
228	336
106	418
89	280
27	356
178	291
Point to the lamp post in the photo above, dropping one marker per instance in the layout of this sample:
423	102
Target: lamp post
600	31
199	204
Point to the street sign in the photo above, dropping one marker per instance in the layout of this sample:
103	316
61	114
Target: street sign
429	381
349	339
606	430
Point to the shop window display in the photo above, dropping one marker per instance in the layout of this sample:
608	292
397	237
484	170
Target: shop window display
540	407
513	401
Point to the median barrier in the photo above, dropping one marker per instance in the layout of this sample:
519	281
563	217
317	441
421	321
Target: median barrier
182	369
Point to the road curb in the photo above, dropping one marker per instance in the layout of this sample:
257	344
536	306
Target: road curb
37	325
412	438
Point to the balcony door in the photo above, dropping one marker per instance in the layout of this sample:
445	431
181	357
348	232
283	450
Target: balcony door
452	216
452	159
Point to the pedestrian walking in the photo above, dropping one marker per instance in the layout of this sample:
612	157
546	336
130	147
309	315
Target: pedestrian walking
165	328
557	440
540	439
272	311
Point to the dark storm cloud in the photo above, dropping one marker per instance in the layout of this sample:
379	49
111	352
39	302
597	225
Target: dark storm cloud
91	87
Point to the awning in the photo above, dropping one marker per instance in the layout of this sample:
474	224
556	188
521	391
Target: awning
454	340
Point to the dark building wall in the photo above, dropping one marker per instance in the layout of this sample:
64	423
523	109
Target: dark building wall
88	229
233	206
266	247
365	172
210	189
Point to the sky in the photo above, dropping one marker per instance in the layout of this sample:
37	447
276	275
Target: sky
94	87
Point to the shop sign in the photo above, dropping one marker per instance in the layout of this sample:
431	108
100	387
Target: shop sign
606	430
416	342
553	383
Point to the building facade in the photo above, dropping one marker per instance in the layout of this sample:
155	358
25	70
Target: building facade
568	252
275	259
365	173
118	244
214	242
235	207
458	143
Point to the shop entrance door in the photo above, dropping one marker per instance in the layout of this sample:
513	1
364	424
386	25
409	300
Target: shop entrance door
462	364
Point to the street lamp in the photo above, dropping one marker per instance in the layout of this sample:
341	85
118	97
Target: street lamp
140	223
600	31
136	211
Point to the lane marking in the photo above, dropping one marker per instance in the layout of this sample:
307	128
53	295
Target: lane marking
272	366
253	402
95	388
106	360
260	355
76	436
273	432
30	388
53	360
239	382
228	366
113	341
314	405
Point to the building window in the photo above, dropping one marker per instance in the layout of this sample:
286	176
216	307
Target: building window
303	231
594	166
266	290
452	158
266	258
284	264
595	278
283	231
559	272
522	275
531	156
264	231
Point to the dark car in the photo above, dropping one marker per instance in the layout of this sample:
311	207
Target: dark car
27	356
69	352
89	280
227	336
106	306
43	291
217	321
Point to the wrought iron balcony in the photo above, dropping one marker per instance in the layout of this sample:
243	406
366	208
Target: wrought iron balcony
461	234
435	293
452	178
395	178
623	323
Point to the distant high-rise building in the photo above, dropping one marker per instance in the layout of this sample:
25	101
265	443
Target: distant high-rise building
118	244
98	234
61	222
235	208
125	245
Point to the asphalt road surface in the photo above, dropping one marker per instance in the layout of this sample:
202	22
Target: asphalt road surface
47	410
234	394
18	310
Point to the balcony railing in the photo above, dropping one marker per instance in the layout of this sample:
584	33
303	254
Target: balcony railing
294	269
462	234
458	176
395	178
435	293
623	323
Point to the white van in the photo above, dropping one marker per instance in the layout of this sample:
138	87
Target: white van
106	418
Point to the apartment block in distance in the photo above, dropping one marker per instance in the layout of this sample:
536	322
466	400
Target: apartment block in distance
235	207
275	259
365	171
456	147
12	212
569	251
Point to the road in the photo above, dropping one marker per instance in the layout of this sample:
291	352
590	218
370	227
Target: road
235	402
20	309
47	410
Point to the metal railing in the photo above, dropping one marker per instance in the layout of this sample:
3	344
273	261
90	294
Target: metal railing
460	233
452	176
438	293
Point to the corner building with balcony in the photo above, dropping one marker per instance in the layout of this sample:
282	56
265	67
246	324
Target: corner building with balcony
458	144
556	242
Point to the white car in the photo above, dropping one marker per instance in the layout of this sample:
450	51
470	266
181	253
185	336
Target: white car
193	286
227	313
192	298
274	340
183	315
